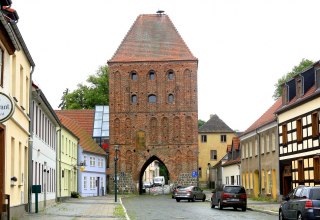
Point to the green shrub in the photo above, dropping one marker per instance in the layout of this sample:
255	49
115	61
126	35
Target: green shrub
75	195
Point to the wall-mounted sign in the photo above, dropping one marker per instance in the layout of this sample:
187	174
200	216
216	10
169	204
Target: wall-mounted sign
6	107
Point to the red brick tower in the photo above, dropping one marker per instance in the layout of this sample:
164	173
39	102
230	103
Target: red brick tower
153	103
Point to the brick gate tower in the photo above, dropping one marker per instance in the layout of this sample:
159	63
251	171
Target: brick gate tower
153	103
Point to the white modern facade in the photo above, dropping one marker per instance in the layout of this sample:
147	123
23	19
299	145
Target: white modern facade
45	124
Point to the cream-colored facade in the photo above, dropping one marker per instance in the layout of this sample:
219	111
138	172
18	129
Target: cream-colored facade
67	162
210	146
151	171
16	83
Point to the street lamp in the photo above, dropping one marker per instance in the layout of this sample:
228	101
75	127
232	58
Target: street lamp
117	148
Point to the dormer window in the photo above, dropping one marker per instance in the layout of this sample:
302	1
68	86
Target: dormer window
299	92
318	78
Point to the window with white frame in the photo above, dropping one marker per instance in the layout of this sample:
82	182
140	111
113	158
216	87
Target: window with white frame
250	149
100	162
92	182
268	143
92	161
273	141
227	180
85	183
203	138
262	145
85	160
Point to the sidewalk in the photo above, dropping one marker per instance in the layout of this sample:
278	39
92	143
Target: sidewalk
82	208
258	206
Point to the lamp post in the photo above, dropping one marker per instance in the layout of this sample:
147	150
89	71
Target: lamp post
117	148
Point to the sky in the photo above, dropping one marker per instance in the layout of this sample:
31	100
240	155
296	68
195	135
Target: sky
243	47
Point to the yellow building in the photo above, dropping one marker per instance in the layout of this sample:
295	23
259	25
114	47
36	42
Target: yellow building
67	156
214	137
17	66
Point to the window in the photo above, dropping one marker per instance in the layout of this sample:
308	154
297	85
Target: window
203	138
134	99
318	78
85	160
92	182
152	75
152	99
85	183
1	66
299	130
223	138
92	161
213	154
170	75
227	180
170	98
315	124
284	135
200	172
134	76
100	162
232	180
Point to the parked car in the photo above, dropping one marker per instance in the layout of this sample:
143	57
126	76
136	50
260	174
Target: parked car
158	181
174	191
190	193
147	184
229	196
302	202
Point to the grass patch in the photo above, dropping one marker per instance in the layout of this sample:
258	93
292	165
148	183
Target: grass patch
119	211
263	199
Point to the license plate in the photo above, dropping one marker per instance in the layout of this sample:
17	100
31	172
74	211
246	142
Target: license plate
234	200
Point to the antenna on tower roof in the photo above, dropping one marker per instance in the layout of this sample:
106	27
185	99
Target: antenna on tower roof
160	12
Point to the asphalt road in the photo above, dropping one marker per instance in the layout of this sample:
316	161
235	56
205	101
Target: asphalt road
150	207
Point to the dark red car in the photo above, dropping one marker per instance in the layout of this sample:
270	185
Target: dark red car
229	196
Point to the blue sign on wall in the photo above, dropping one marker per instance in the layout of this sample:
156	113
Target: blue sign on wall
194	173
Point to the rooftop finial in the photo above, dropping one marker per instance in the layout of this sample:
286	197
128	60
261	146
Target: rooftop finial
160	12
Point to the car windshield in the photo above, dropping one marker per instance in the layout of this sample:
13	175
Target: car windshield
315	194
234	189
186	188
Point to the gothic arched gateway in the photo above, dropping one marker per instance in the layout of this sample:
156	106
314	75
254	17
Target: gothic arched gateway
153	103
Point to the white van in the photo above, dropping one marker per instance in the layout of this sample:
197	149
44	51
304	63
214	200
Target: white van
158	181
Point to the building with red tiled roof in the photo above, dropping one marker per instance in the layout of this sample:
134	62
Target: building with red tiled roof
259	155
153	102
91	158
84	117
298	125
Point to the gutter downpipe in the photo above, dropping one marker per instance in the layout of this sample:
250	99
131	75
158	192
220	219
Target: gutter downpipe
30	170
58	165
259	161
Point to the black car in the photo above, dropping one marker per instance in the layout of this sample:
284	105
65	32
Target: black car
302	202
190	193
229	196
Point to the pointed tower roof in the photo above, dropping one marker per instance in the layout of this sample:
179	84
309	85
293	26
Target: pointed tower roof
152	37
215	124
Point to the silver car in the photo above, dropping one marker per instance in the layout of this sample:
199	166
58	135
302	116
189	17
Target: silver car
190	193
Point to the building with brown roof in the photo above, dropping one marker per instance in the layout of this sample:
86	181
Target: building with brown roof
231	168
214	137
259	155
153	102
298	126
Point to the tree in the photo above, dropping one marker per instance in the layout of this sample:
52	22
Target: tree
304	63
88	96
200	123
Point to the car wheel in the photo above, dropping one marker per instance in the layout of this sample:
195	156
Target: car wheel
204	198
178	200
299	216
212	205
189	200
234	208
219	205
244	208
281	217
